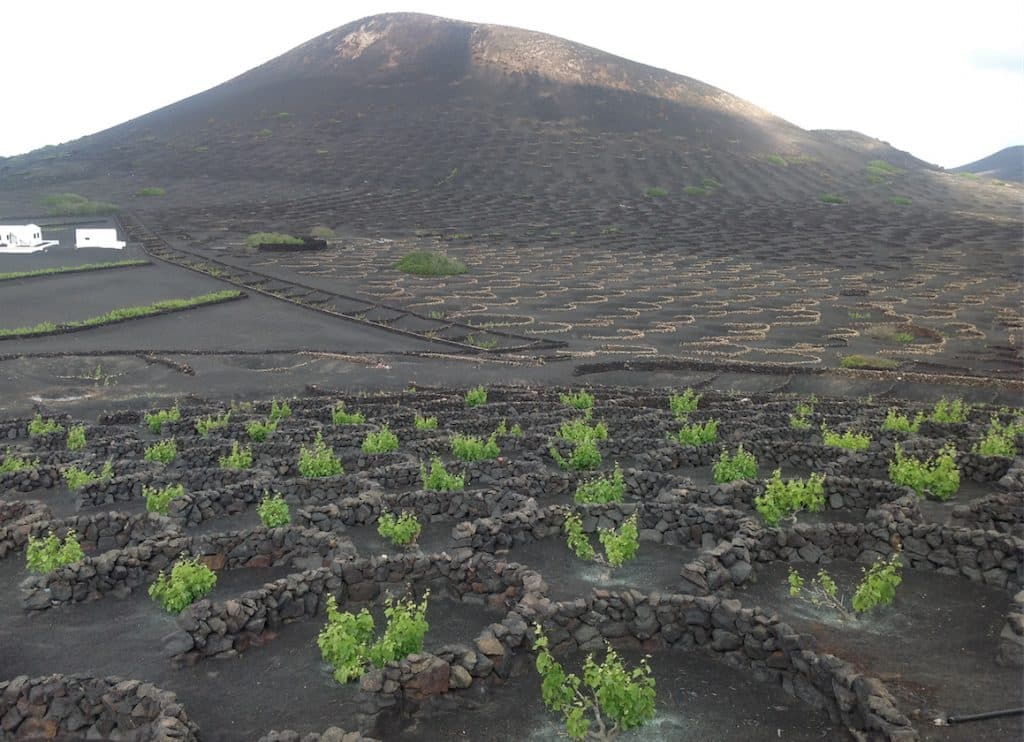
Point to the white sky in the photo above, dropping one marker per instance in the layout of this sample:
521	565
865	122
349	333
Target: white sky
942	79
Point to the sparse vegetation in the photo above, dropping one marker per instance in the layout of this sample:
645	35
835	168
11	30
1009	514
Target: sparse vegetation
876	363
260	431
741	465
889	334
38	426
76	438
429	263
801	419
471	448
274	511
425	423
13	463
321	232
279	412
656	192
76	478
71	204
876	588
189	580
156	420
620	546
692	190
830	198
579	430
880	171
400	531
777	160
581	400
239	458
438	479
683	404
271	238
697	434
949	411
159	500
851	440
150	192
937	475
585	456
1000	439
897	421
163	452
70	269
476	396
319	461
210	423
900	201
602	489
381	441
340	416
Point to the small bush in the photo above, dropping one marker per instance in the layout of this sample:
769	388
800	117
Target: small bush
471	448
620	546
578	431
869	362
150	192
896	421
382	441
1000	439
279	412
585	455
425	423
156	420
438	479
830	198
345	641
850	439
692	190
683	404
239	458
38	426
12	463
876	588
274	511
608	692
260	431
76	438
741	465
271	238
189	581
697	434
47	554
428	263
800	420
207	425
159	500
785	499
476	396
949	411
576	539
938	475
339	416
77	478
71	204
581	400
321	232
319	461
400	531
656	192
162	452
602	490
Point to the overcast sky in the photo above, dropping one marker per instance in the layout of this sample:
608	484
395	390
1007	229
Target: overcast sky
944	80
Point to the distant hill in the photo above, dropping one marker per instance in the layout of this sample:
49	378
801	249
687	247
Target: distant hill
1006	164
455	123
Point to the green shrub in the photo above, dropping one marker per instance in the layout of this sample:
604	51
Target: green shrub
206	425
239	458
741	465
476	396
382	441
697	434
429	263
581	400
777	160
879	171
76	438
896	421
949	411
47	554
156	420
274	511
576	539
683	404
616	698
279	412
877	587
785	499
656	192
692	190
900	201
850	439
150	191
800	420
189	581
585	455
163	452
12	463
159	500
877	363
471	448
578	431
319	461
830	198
938	475
1000	439
345	641
620	546
38	426
260	431
271	238
339	416
77	478
322	232
425	423
438	479
602	490
400	531
71	204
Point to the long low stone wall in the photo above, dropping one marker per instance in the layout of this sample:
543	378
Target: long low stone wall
96	532
82	707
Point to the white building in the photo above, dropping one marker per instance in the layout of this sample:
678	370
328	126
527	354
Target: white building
98	238
23	238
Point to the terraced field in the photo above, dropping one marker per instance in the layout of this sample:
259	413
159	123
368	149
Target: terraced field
732	653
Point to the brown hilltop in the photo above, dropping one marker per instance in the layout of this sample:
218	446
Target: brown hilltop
441	117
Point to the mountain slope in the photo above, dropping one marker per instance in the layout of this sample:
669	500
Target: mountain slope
1006	164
